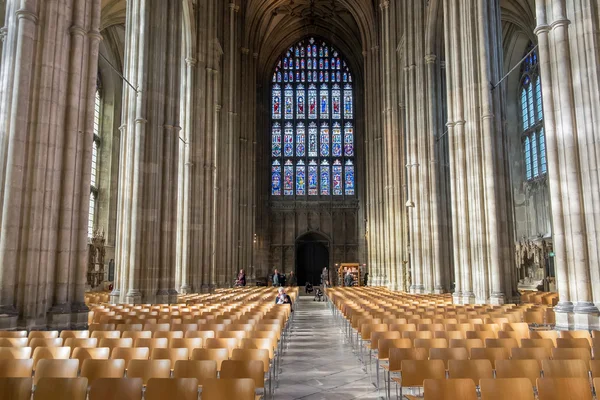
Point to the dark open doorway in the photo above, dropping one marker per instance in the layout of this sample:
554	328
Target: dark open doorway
312	255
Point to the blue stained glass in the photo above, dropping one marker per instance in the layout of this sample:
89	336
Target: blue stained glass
302	51
297	51
324	141
348	140
337	63
345	77
336	102
297	63
312	102
527	151
326	76
309	51
338	76
337	178
333	63
276	104
276	140
289	102
276	179
279	76
302	77
336	148
325	178
326	63
348	103
534	156
313	178
291	76
524	109
274	77
314	50
309	64
300	102
320	63
288	179
324	102
350	78
300	179
320	51
314	76
530	103
302	64
297	76
285	77
349	178
320	76
326	52
542	141
285	63
300	140
538	95
288	140
312	140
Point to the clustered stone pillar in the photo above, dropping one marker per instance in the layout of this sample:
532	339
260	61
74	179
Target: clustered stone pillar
570	70
147	204
47	89
482	226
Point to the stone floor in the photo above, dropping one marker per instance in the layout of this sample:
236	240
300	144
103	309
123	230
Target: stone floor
319	363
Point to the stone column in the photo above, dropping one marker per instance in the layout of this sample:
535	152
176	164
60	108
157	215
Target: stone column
483	231
570	73
147	233
47	90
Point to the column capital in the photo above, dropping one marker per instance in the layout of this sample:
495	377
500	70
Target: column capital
234	7
560	22
384	4
245	51
95	34
28	15
430	59
542	28
191	61
3	33
76	30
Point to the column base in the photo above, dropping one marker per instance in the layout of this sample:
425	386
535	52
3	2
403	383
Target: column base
438	289
467	298
204	288
115	296
185	289
8	318
68	316
417	289
587	316
134	297
162	297
456	297
497	299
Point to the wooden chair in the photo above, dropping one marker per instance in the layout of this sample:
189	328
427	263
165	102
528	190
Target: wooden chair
40	342
135	335
147	369
116	389
253	369
160	343
168	335
431	343
530	343
565	368
188	343
61	388
470	369
595	368
96	369
50	353
529	369
106	335
176	388
228	343
576	335
201	370
414	373
217	355
98	353
573	343
154	327
15	388
100	327
227	389
507	343
552	335
112	343
502	389
532	353
129	327
16	368
173	355
56	369
444	354
131	353
14	342
15	353
200	335
86	343
74	334
466	343
449	389
564	389
571	354
13	334
42	335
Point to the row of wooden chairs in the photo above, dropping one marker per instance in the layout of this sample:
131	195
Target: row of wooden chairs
512	388
126	389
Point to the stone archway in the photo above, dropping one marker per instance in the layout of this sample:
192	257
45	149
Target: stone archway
312	254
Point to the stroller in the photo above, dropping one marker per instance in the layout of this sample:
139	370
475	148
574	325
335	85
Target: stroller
318	295
308	288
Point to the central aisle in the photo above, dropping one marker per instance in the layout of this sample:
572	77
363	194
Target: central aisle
318	363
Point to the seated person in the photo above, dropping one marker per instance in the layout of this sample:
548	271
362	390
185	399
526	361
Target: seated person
283	298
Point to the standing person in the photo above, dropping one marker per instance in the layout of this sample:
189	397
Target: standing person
292	281
276	278
241	279
366	279
324	277
348	279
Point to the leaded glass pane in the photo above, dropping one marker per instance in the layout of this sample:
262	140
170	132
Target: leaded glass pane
288	140
312	102
312	140
324	140
524	109
94	162
288	178
542	141
325	180
348	140
534	156
348	102
335	102
349	178
91	214
313	178
337	178
300	104
289	102
276	140
324	102
527	151
300	140
300	179
538	95
276	178
336	148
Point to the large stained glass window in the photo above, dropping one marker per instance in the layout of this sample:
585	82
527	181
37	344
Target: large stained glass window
532	119
95	148
312	123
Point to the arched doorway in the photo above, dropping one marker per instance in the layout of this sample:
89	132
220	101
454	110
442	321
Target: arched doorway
312	255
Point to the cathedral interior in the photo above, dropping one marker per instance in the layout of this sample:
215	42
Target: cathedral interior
154	148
